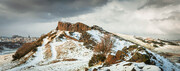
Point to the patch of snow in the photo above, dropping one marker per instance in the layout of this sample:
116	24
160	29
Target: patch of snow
53	50
151	68
119	45
164	63
169	49
7	51
96	35
75	35
53	31
142	52
178	64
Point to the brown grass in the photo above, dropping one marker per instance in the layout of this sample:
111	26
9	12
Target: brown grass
27	47
69	59
105	45
59	51
48	52
54	61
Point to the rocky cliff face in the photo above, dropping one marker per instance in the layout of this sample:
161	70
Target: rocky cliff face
77	27
74	47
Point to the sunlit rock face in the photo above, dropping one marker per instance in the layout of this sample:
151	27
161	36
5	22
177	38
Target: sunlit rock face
77	27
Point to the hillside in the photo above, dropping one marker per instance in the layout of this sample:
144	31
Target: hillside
78	47
168	49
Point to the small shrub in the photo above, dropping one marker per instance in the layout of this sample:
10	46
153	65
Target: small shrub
155	45
89	43
105	45
96	59
26	48
71	33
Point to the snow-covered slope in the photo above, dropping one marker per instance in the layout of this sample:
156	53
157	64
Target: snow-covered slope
81	48
170	50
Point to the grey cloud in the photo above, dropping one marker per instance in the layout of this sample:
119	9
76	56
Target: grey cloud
160	3
175	15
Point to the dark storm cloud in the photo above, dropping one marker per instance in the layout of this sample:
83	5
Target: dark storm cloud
22	11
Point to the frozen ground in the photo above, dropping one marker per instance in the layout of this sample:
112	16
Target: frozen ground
169	49
5	58
7	51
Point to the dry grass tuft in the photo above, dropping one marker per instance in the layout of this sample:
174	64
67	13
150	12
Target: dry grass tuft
105	45
102	49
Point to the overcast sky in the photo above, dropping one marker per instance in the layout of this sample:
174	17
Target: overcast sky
150	18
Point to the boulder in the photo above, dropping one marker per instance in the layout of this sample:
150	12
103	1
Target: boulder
110	60
120	55
138	57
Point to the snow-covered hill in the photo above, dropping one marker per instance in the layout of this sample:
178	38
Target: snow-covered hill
78	47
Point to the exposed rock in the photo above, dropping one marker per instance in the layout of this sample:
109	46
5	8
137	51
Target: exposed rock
86	69
110	60
130	48
95	69
77	27
133	69
140	58
120	55
95	27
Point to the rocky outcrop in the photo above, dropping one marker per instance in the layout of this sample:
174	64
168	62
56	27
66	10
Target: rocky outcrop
130	54
77	27
95	27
